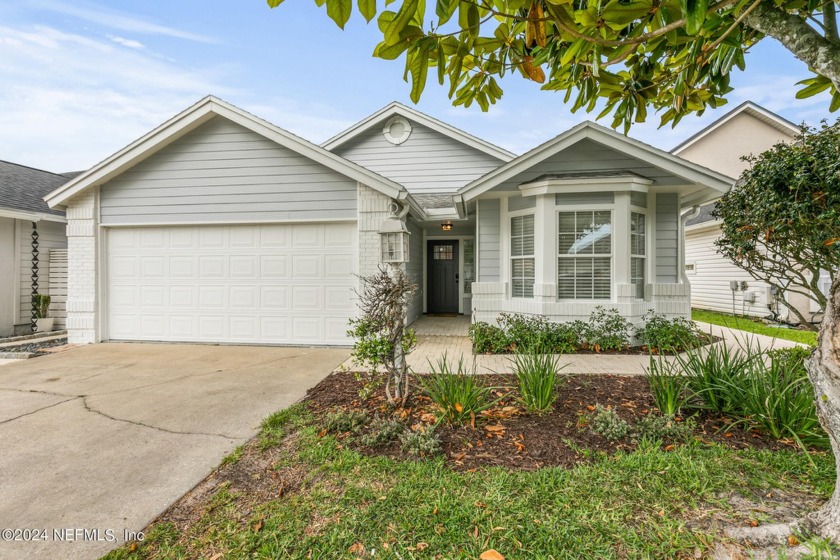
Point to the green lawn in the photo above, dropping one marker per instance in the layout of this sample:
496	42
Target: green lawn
753	326
645	504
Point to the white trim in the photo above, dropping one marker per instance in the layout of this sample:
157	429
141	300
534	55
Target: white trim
395	108
30	216
588	184
228	223
195	116
748	107
692	173
396	140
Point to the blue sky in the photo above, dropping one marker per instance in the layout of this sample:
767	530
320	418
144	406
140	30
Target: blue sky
81	79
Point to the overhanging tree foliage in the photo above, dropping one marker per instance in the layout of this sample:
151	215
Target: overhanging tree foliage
781	222
671	55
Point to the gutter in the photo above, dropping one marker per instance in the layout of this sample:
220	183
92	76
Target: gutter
30	216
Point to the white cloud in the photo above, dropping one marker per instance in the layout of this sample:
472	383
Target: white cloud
120	20
130	43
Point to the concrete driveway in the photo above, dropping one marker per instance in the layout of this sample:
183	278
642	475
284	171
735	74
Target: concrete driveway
105	437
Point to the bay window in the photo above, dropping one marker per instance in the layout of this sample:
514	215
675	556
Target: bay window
584	260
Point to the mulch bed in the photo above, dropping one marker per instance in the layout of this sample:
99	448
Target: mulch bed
35	346
507	436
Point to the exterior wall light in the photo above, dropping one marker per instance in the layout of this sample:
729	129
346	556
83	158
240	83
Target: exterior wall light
393	235
446	227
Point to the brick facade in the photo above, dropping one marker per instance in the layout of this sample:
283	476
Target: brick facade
82	245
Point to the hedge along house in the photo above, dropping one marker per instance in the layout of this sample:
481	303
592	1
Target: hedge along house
220	227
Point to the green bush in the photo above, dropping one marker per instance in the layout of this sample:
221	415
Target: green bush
342	421
670	335
459	395
716	375
488	338
41	303
536	374
664	428
422	443
607	423
668	385
791	357
607	330
382	431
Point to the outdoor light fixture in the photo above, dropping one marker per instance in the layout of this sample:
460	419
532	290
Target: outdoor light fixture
446	227
394	236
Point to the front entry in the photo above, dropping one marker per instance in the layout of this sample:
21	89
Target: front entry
442	277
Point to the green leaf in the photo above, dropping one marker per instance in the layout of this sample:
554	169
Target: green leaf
339	11
418	65
400	21
815	86
444	10
694	13
368	9
390	52
274	3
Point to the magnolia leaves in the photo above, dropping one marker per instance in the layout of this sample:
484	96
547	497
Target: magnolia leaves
694	13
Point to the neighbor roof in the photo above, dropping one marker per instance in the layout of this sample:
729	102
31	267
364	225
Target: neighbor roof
200	113
588	130
22	191
768	117
395	108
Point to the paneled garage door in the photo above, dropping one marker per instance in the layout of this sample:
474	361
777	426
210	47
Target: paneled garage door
280	284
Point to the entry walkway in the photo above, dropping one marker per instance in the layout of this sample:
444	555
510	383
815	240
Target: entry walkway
439	336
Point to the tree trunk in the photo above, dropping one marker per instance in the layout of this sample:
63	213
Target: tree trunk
824	372
800	38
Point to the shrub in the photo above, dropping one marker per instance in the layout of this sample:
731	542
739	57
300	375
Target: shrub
41	303
459	395
664	428
536	374
779	399
342	421
607	330
670	335
607	423
794	357
668	385
716	375
421	443
488	338
382	431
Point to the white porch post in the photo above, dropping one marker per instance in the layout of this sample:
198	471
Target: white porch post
621	240
545	267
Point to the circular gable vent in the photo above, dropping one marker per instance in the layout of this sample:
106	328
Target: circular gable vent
397	130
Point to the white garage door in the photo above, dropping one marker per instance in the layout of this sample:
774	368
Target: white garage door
278	283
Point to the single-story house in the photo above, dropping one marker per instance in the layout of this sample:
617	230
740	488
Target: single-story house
749	129
33	247
218	226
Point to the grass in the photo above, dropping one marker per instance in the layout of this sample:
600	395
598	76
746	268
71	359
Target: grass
645	504
754	326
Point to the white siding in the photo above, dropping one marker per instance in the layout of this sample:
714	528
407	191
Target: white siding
667	238
51	235
58	287
8	303
427	162
488	241
223	172
711	276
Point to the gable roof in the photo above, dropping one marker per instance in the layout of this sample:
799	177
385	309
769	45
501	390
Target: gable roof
395	108
22	191
200	113
748	107
588	130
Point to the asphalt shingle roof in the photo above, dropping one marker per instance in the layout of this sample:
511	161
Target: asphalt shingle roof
434	200
704	216
23	188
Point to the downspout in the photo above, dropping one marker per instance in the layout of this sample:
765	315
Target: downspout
684	217
34	270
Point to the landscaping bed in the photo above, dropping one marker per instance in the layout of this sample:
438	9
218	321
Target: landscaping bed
505	435
34	347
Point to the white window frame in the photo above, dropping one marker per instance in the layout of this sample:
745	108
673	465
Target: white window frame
511	257
645	247
557	256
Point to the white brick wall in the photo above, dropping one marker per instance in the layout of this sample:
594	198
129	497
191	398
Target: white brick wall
81	269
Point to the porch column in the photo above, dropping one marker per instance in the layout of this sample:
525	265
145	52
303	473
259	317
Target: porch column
621	239
545	260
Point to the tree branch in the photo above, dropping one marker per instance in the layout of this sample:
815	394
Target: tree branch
830	22
799	38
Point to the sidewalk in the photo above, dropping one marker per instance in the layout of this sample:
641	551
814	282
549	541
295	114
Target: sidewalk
439	336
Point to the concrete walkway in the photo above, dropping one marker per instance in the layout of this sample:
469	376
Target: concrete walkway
105	437
439	336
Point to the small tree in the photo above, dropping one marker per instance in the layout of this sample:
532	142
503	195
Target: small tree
382	338
781	222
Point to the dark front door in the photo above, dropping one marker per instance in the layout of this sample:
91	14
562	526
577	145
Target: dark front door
442	281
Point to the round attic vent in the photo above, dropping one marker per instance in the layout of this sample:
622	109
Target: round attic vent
397	130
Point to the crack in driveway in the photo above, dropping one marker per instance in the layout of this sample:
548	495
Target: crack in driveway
90	409
141	424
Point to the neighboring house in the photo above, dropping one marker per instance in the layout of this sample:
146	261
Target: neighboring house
33	246
747	129
220	227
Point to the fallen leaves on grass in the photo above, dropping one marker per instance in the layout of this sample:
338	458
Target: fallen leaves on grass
491	554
